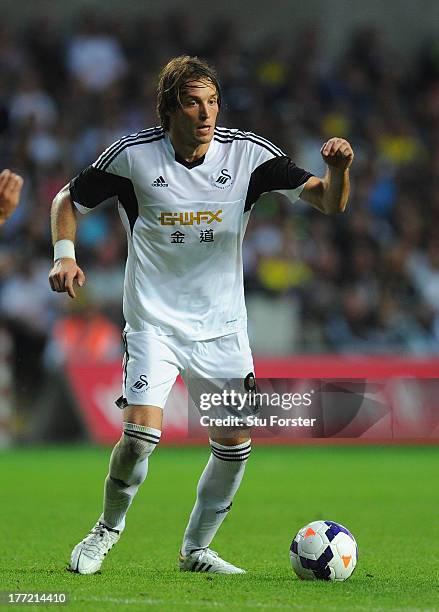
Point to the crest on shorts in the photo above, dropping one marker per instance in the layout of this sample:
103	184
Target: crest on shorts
140	385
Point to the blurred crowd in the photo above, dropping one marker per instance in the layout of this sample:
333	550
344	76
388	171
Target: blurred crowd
366	281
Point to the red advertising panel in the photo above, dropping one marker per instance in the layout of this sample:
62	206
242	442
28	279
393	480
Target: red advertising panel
96	387
353	398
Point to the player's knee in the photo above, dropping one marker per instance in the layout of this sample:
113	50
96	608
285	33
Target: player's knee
129	460
133	449
138	442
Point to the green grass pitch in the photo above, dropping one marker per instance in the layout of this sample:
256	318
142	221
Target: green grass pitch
387	496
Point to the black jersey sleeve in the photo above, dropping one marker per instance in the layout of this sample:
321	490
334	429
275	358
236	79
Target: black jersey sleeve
279	173
92	186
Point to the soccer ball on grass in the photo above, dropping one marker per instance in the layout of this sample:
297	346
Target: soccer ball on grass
324	550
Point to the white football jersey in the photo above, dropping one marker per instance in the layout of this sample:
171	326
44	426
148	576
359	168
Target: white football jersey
185	224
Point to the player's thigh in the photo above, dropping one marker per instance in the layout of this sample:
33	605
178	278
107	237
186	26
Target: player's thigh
228	357
148	416
232	437
151	365
220	363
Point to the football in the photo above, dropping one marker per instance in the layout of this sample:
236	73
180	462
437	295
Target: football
324	550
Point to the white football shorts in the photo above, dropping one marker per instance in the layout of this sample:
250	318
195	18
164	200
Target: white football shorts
152	362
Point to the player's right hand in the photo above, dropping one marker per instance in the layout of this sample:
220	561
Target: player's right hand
10	189
64	274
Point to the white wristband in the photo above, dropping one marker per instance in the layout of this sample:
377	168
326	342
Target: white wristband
64	248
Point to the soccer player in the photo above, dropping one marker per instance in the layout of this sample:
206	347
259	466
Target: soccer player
185	190
10	190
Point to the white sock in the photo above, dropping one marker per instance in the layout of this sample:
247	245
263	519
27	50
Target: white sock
216	488
128	469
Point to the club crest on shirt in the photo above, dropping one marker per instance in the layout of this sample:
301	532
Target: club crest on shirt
223	180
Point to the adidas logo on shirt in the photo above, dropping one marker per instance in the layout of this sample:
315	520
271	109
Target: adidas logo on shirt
159	182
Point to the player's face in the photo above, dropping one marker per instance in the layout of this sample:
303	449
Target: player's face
195	120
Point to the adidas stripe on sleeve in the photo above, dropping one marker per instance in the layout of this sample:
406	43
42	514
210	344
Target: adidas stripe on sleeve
110	174
270	168
230	135
113	159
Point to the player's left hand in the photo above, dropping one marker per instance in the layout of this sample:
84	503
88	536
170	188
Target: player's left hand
337	153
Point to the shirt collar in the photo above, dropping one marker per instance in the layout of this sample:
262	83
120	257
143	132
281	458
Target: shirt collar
198	162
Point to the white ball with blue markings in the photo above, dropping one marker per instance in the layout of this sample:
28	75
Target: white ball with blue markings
324	550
